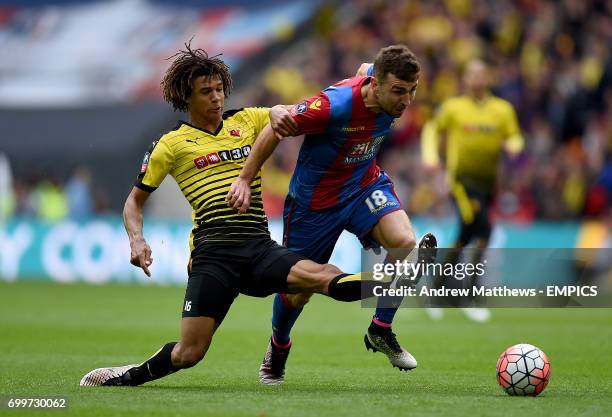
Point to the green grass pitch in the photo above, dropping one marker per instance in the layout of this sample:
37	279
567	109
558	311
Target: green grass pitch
51	335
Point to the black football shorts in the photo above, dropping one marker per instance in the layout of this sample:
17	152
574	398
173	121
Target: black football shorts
473	208
219	273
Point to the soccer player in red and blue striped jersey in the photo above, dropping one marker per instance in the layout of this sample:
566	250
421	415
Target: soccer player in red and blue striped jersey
338	186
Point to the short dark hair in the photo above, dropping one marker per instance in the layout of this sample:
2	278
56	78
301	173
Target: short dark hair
188	65
397	60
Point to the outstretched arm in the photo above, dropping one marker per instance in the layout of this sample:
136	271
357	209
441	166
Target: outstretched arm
239	195
309	116
132	220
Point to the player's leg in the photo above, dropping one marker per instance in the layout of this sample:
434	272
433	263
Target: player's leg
378	219
280	270
312	235
294	273
465	209
395	233
196	335
283	271
207	301
478	234
286	309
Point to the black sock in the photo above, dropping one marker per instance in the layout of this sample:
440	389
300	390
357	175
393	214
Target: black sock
351	289
378	329
158	366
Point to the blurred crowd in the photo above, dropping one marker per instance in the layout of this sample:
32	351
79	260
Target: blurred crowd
48	198
551	59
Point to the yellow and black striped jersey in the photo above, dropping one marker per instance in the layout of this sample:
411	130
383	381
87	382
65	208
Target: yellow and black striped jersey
476	132
204	165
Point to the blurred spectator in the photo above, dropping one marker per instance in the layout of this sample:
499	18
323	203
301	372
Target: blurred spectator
7	195
78	194
50	201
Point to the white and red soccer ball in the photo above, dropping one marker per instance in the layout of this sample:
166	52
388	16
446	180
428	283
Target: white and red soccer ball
523	370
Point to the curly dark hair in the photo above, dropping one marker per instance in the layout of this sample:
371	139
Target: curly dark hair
397	60
188	65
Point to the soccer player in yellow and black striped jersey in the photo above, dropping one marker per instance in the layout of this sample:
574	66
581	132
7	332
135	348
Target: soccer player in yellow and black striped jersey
204	164
475	129
232	251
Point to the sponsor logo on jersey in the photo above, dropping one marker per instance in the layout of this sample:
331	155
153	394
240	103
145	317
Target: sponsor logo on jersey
200	162
360	148
213	158
353	129
480	128
363	151
222	156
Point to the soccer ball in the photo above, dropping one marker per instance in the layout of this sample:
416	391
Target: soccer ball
523	370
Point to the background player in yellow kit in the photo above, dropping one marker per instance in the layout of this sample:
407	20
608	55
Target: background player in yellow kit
468	135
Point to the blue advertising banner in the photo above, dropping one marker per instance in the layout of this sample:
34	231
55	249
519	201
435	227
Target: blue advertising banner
97	251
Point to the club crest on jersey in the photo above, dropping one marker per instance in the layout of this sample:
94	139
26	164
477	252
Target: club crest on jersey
302	107
235	132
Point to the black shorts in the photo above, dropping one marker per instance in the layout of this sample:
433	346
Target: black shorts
220	272
473	207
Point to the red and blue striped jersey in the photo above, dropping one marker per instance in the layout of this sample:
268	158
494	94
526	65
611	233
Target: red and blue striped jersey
342	138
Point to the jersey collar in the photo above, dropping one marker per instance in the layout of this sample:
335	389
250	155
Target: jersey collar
215	133
480	102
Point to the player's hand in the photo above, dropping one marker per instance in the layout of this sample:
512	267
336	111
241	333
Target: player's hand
239	195
363	69
282	122
141	255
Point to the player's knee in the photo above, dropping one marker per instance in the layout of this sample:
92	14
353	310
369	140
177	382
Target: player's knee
408	241
403	240
309	277
299	300
331	270
325	275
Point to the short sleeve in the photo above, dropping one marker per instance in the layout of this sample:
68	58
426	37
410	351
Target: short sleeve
312	115
260	116
158	161
515	142
511	122
442	118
